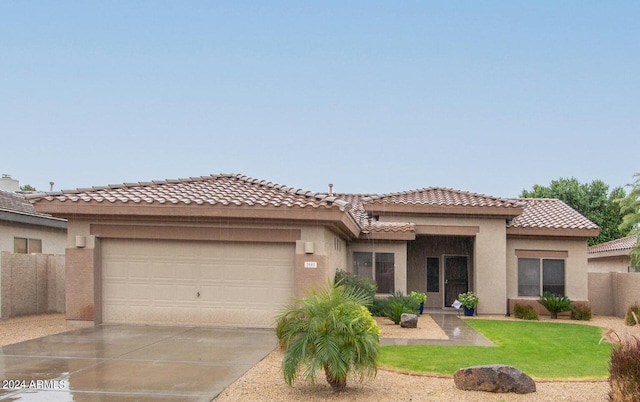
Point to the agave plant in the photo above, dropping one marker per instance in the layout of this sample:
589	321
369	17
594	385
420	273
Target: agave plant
329	329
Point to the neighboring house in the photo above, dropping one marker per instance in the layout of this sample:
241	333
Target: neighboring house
613	256
232	250
25	231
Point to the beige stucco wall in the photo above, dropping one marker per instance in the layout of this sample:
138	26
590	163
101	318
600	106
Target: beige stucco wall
610	264
399	249
576	278
83	263
489	276
611	293
53	240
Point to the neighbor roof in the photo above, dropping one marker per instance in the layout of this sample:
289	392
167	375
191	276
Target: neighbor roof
15	208
623	244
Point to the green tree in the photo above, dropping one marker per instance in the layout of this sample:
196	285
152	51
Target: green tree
331	330
592	200
630	209
27	187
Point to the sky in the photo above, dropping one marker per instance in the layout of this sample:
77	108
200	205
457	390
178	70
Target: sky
490	97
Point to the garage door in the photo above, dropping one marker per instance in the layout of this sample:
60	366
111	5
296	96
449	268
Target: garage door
195	283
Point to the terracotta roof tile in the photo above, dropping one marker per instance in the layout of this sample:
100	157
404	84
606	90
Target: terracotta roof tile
444	197
550	213
626	243
215	189
240	190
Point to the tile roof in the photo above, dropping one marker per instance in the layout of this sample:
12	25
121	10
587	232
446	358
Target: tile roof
443	197
223	189
550	213
15	207
14	202
240	190
626	243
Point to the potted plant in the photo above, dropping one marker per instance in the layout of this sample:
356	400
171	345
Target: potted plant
420	298
469	301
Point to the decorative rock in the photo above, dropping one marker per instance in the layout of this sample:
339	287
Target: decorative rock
409	321
494	378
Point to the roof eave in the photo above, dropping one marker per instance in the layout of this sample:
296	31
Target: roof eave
383	235
608	254
327	215
552	232
34	220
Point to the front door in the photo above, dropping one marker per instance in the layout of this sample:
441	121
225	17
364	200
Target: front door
456	278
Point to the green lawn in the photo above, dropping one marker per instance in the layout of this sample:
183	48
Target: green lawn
540	349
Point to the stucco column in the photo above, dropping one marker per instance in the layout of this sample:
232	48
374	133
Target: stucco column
79	284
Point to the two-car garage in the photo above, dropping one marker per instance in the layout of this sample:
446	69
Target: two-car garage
203	283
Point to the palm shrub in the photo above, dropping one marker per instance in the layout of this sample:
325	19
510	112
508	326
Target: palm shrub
628	318
624	371
329	329
554	303
525	312
398	304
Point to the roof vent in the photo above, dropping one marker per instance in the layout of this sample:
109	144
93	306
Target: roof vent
330	189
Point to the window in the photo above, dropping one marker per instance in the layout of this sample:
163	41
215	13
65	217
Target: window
536	276
634	269
382	271
26	246
433	274
363	264
385	267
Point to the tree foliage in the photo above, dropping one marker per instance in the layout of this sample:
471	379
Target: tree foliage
27	187
630	209
592	200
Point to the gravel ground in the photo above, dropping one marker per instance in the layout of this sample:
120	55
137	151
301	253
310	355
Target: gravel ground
18	329
264	381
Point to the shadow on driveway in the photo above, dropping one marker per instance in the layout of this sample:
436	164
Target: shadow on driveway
121	362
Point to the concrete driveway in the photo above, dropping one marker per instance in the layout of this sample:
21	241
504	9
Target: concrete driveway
121	362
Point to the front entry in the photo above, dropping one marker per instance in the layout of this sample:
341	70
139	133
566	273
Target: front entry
456	278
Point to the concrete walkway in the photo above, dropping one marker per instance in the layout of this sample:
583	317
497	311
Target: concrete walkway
131	363
458	331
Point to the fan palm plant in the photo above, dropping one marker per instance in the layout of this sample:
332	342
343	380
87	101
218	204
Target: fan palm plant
331	330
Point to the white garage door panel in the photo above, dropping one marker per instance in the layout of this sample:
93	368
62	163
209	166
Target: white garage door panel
158	282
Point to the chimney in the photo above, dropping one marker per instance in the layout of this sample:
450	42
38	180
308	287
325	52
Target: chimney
9	184
330	189
51	186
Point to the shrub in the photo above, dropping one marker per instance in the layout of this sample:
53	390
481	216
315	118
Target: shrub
399	304
330	330
379	306
581	312
624	371
628	318
554	303
525	312
359	282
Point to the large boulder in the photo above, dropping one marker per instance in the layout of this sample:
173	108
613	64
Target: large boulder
494	378
409	321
